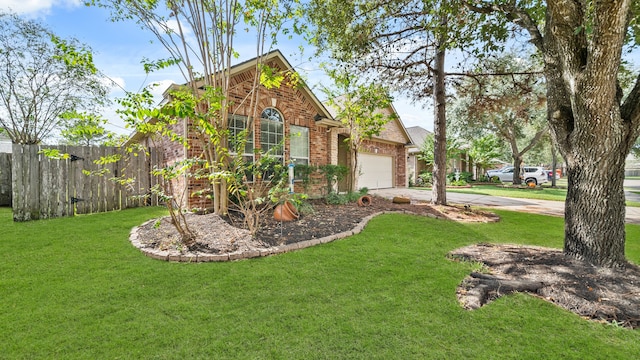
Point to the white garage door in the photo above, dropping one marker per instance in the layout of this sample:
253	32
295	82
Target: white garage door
376	171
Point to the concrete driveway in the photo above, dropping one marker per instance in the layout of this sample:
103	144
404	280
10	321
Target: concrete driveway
544	207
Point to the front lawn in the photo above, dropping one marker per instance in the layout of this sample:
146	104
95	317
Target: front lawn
75	288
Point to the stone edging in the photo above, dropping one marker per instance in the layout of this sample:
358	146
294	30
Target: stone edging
176	256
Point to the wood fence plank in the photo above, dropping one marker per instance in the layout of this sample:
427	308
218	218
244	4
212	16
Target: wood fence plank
107	184
17	182
65	207
97	190
46	188
87	189
42	187
5	179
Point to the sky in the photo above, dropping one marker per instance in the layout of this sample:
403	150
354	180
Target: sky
119	48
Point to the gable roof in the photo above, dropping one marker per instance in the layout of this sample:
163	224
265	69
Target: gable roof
397	122
322	118
278	57
418	136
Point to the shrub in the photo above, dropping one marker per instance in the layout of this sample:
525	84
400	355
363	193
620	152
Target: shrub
459	183
334	198
464	176
303	173
426	178
342	199
333	174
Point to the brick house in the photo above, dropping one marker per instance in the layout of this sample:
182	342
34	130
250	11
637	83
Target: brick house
311	135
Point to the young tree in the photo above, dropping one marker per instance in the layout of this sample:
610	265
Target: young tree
484	150
592	123
405	43
84	129
428	153
362	110
39	84
200	39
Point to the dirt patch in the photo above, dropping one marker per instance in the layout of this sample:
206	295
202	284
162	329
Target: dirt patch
611	295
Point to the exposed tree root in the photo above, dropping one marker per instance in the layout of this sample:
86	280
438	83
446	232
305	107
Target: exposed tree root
611	295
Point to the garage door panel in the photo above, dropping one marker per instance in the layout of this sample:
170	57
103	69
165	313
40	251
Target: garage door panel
376	171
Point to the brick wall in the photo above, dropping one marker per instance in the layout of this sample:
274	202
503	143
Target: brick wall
297	108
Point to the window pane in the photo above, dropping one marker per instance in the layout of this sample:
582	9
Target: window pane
299	142
237	124
271	131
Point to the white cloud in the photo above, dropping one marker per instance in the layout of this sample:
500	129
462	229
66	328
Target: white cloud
36	7
115	84
158	88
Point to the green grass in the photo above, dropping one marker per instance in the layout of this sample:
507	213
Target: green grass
75	288
546	193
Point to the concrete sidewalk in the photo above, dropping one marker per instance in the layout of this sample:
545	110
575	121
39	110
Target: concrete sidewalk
544	207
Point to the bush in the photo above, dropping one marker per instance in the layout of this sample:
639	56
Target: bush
459	183
465	176
333	174
426	178
336	199
342	199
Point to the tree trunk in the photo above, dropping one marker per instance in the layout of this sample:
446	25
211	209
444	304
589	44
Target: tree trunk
353	175
554	165
439	190
585	118
595	209
517	169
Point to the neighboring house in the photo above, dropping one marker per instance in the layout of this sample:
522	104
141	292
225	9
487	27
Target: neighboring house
296	110
5	143
414	165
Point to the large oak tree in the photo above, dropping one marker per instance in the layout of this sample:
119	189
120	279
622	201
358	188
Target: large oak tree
592	122
505	98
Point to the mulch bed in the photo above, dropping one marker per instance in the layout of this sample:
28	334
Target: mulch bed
610	295
327	219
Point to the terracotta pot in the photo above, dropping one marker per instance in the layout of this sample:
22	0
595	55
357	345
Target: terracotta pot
285	212
365	200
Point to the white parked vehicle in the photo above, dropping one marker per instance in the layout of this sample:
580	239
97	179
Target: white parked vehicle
532	175
495	172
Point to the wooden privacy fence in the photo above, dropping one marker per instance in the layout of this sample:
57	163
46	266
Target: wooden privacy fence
5	179
43	187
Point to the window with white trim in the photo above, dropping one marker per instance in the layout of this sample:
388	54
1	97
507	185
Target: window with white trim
271	132
299	144
237	124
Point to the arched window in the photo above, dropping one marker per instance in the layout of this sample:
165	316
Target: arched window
272	131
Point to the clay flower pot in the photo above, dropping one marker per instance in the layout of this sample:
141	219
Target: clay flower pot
286	212
365	200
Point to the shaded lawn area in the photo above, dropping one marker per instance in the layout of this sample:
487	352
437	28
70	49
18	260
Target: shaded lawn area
75	288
